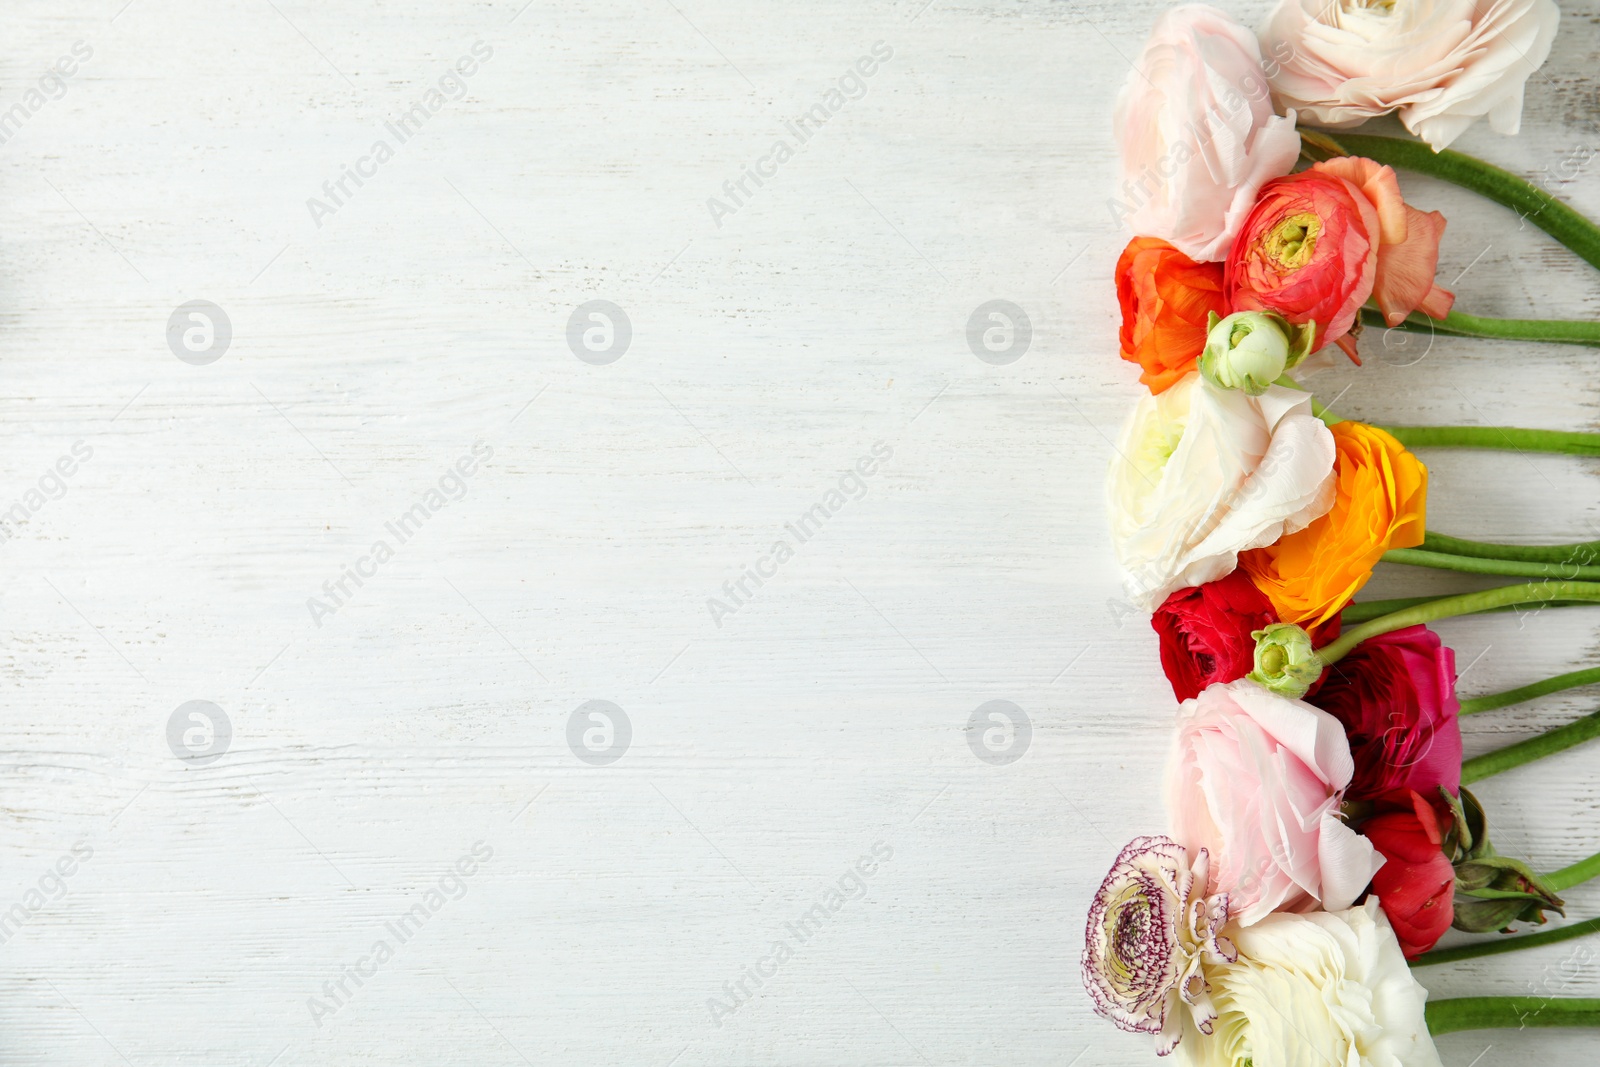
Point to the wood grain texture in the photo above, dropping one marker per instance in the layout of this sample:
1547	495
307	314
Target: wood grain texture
769	354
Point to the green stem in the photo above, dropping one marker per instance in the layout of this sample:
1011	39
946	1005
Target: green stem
1570	680
1527	200
1367	610
1578	873
1460	324
1581	552
1462	604
1510	1013
1506	438
1418	557
1496	946
1545	744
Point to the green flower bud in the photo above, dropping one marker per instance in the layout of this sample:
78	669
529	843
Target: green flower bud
1249	350
1285	661
1492	891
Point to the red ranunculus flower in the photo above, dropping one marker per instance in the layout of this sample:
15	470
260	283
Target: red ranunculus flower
1416	884
1396	696
1166	298
1205	632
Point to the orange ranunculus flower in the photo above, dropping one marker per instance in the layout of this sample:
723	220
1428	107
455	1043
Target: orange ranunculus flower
1166	298
1380	503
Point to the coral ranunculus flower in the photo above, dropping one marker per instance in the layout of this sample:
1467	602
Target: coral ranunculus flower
1166	298
1309	251
1380	503
1408	242
1320	243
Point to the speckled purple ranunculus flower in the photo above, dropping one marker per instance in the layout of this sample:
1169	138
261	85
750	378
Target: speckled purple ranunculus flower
1151	930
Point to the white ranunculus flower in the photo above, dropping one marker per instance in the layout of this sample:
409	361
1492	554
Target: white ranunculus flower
1197	134
1442	64
1313	990
1204	473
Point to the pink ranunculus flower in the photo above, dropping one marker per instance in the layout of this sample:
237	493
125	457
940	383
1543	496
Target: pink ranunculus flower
1256	779
1442	64
1197	133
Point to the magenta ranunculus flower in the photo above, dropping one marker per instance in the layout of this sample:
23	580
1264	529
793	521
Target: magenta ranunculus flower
1396	696
1256	779
1152	929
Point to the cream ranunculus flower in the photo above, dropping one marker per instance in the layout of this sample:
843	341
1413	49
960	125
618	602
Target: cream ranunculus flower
1197	133
1442	64
1204	473
1313	990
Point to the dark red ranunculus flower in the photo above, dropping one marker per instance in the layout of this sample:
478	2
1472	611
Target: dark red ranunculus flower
1396	696
1416	885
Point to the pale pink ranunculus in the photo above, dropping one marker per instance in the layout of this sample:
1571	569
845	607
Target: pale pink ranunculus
1256	779
1441	64
1197	133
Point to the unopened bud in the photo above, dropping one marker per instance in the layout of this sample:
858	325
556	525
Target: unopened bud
1285	661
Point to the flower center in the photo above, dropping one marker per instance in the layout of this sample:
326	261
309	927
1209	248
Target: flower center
1133	930
1371	20
1291	242
1160	441
1273	659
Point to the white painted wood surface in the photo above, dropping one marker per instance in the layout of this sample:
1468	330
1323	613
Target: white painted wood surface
768	355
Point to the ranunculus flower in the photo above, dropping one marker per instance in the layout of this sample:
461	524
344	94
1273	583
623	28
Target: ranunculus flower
1197	133
1152	930
1309	251
1205	632
1166	300
1256	780
1202	474
1317	990
1408	242
1395	694
1381	500
1319	243
1442	64
1416	885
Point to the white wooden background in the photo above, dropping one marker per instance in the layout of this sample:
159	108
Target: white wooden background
768	355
